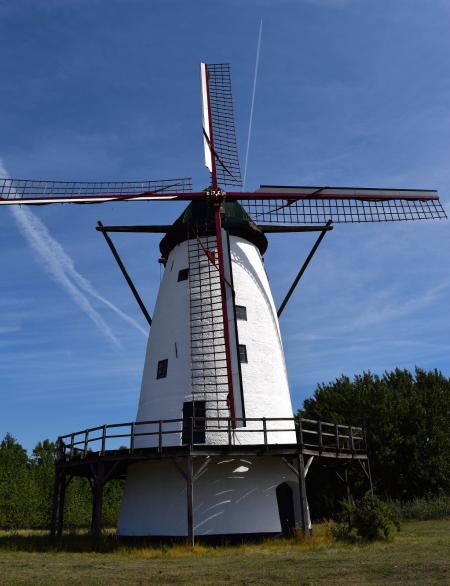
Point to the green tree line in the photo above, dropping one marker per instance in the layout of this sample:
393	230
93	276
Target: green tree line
26	489
406	417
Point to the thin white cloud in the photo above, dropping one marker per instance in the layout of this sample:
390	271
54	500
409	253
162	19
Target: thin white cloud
400	308
61	267
34	232
9	329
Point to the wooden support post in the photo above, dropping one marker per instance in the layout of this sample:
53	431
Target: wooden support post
125	273
190	498
62	497
299	430
319	436
336	437
103	440
347	485
348	491
302	494
370	476
133	431
97	500
86	443
369	473
303	268
72	447
55	503
351	440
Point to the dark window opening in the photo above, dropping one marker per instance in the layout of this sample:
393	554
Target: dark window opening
241	312
243	354
194	413
183	275
162	368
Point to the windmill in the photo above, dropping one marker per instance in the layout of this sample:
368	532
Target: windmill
214	385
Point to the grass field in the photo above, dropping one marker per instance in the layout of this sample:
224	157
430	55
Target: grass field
419	554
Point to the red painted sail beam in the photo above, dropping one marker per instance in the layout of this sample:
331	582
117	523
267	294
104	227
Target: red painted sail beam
226	330
93	198
336	194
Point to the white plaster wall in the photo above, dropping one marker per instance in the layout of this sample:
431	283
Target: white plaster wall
264	377
163	398
230	496
265	384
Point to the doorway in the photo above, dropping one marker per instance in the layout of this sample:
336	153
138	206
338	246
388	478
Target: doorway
194	413
286	508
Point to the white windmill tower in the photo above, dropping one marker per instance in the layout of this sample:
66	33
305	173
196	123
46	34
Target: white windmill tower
186	374
214	354
215	409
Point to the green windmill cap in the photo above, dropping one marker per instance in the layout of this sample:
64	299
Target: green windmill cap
198	220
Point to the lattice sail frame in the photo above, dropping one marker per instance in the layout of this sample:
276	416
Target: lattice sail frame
49	191
343	205
268	205
219	125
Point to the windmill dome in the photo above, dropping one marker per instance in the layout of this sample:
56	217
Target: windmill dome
198	220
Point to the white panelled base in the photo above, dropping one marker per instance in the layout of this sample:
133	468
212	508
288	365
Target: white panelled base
231	496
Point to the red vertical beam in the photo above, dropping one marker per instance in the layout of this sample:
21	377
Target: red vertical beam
226	331
211	135
223	284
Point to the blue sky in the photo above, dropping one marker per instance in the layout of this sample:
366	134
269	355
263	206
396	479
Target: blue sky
349	93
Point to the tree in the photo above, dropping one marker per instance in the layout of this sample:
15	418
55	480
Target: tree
43	474
26	490
406	417
15	486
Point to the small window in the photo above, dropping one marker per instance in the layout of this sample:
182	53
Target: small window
243	353
183	275
241	312
162	368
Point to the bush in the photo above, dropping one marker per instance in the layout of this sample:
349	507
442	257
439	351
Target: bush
341	531
422	509
368	518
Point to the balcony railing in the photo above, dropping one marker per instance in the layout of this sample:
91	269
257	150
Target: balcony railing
306	435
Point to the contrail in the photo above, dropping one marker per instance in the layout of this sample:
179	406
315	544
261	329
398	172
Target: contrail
61	267
67	263
258	49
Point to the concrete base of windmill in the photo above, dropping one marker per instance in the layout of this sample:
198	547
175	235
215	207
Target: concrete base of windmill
232	497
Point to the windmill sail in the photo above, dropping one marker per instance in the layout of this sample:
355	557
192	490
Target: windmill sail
206	119
26	191
219	132
312	205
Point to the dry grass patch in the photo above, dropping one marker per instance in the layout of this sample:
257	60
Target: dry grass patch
420	554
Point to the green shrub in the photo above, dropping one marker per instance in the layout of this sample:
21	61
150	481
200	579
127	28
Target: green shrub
368	518
341	531
422	509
